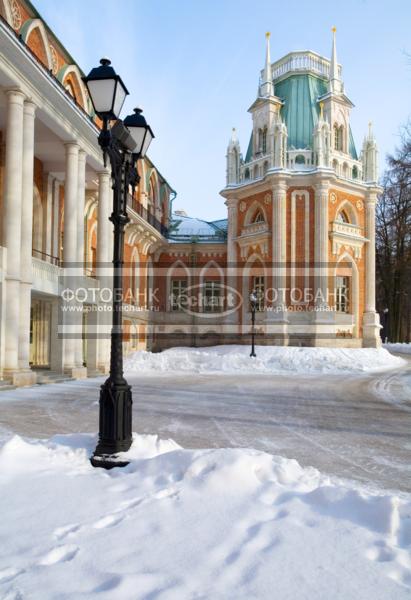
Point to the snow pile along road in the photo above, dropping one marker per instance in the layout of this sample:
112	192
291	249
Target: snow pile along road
402	348
180	524
270	359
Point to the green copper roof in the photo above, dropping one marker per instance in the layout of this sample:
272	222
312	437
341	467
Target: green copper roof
351	149
300	93
249	154
300	111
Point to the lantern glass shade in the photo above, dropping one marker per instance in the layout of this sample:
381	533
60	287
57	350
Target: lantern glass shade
140	131
107	90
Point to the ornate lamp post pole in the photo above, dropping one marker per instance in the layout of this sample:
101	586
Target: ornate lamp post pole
253	304
124	143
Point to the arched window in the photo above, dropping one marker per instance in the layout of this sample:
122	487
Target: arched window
258	217
299	159
345	170
247	174
342	294
339	137
342	217
265	167
264	141
256	172
354	172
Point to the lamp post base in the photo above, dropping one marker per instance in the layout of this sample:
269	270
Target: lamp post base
115	424
107	461
253	355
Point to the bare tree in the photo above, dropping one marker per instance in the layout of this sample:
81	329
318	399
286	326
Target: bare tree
394	241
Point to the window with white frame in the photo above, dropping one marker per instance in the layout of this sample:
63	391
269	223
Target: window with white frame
259	288
342	294
212	296
178	294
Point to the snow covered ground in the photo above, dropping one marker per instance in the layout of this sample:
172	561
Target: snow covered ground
402	348
176	524
270	359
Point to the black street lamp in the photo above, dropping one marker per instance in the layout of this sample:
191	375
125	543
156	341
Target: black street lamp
124	143
253	304
385	330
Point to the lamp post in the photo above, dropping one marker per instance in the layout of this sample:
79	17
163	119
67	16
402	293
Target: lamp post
253	304
385	326
124	143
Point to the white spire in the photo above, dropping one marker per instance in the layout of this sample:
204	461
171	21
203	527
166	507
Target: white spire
370	156
233	139
334	81
233	159
266	87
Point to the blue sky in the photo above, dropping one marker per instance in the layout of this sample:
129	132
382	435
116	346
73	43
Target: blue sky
193	66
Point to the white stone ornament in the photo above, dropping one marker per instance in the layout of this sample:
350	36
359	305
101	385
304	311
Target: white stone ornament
359	204
15	14
333	198
54	60
267	199
243	206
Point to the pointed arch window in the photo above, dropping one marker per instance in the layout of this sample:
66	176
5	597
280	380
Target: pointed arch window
258	217
342	217
339	137
264	141
342	294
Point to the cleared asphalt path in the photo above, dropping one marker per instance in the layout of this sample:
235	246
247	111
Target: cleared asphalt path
356	427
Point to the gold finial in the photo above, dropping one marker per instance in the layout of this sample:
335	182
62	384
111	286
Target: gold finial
321	110
267	35
334	29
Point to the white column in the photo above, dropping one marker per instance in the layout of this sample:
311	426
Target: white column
103	223
81	190
70	246
277	321
80	206
370	253
48	212
321	244
26	234
12	224
232	263
56	215
279	240
371	319
104	269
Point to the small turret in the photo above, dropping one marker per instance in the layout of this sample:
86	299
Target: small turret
321	140
280	136
233	159
370	157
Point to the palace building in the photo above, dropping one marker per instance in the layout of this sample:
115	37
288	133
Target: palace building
55	201
300	227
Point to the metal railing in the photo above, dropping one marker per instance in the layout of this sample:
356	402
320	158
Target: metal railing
147	215
54	260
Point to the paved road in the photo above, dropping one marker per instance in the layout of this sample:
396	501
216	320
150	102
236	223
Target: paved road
351	426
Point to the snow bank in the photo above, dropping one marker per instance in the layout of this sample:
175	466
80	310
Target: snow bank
403	348
180	524
270	359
